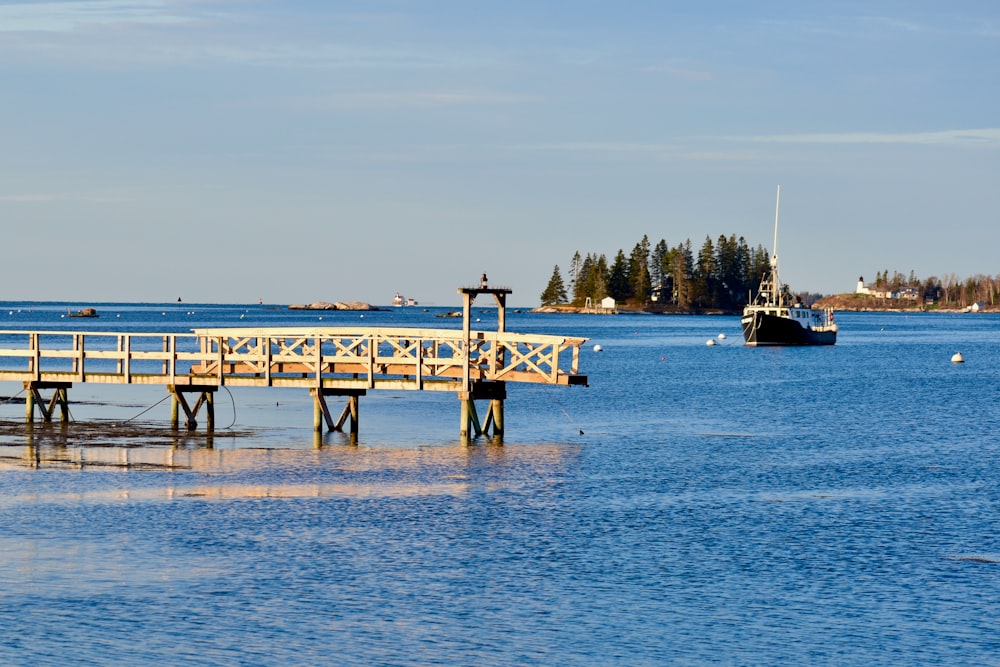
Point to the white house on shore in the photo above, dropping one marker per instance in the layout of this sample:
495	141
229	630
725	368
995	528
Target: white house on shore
911	293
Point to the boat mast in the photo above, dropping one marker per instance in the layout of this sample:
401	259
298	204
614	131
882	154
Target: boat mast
777	205
775	280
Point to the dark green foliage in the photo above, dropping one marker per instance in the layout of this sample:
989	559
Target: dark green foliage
555	291
722	276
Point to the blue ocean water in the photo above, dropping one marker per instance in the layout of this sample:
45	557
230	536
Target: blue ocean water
695	504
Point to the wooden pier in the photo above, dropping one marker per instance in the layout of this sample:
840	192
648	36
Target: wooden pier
344	362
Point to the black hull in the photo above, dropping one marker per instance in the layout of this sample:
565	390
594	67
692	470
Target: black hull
763	329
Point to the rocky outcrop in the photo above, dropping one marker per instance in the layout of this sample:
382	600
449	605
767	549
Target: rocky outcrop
339	305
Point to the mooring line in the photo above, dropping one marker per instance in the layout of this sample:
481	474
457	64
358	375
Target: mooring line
11	398
232	399
147	409
568	416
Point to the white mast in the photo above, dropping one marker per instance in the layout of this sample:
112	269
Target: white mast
774	255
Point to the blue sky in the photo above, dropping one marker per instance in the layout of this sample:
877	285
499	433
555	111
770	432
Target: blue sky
230	150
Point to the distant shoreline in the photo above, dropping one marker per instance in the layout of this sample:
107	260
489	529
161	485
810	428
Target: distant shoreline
627	310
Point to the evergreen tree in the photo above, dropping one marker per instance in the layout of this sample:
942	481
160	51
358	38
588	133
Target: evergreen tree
703	293
659	269
681	273
744	263
619	287
583	286
640	284
574	270
555	291
726	272
602	276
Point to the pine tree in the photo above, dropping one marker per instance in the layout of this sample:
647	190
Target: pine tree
619	286
659	269
555	292
638	270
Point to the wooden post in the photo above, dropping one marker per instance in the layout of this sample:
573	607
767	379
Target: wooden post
496	412
209	410
319	408
206	397
350	411
463	429
33	397
63	400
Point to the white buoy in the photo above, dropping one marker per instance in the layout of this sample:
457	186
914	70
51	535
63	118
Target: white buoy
722	336
957	358
598	348
710	342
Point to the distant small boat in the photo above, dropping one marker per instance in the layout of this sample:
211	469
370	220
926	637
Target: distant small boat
399	300
83	312
775	317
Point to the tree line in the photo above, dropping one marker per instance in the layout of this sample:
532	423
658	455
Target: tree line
720	275
948	291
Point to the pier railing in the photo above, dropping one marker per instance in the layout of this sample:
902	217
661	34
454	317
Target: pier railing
323	358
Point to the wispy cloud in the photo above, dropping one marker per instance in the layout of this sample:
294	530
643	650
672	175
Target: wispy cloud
680	69
413	100
983	136
66	16
622	149
45	198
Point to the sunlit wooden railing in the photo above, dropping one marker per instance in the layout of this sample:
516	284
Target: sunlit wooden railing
328	357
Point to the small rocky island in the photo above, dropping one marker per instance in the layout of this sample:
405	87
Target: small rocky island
339	305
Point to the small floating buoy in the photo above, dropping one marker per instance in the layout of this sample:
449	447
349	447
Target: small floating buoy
362	316
722	336
957	358
710	342
598	348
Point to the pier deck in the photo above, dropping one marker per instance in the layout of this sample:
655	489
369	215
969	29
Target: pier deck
337	361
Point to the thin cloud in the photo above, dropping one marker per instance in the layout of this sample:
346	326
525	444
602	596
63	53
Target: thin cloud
984	136
611	148
68	16
414	100
679	70
45	198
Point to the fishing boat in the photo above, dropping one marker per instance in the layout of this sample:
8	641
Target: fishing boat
83	312
775	317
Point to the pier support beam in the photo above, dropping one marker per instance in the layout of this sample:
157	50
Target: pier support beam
321	411
206	398
493	421
34	397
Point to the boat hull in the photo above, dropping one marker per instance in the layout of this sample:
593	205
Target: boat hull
764	329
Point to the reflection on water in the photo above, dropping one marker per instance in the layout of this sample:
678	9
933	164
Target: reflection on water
424	471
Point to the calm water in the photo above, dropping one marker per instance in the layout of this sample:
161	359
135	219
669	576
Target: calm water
694	505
